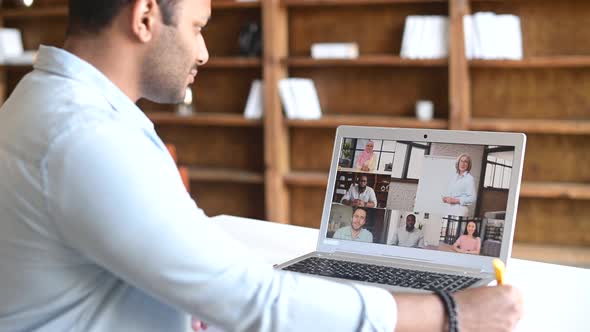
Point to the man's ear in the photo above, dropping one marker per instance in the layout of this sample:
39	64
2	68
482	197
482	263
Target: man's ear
145	15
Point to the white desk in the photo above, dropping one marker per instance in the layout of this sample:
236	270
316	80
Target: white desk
557	298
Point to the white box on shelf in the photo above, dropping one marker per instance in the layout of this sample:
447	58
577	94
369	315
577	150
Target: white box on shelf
254	105
334	51
11	44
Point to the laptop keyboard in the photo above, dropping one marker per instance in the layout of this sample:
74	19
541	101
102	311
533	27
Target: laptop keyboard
382	274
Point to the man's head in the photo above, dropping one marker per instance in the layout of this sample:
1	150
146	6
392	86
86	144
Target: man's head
363	182
410	222
163	37
359	218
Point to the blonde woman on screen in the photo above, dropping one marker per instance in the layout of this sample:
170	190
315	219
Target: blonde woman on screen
460	192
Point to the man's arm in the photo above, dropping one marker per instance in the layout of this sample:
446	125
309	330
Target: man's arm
117	198
485	309
346	199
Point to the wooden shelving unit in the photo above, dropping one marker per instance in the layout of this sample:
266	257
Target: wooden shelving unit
572	61
11	13
202	119
536	126
216	175
234	62
335	120
277	168
367	60
317	3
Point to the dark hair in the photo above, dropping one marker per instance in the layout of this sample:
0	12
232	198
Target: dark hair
411	215
93	16
360	208
475	232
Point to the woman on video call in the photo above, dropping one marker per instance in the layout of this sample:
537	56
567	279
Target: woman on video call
469	242
461	189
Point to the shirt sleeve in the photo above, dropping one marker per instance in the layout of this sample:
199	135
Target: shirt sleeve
116	197
468	195
348	194
373	197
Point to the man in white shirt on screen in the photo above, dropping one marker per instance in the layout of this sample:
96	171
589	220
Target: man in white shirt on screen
98	233
360	194
409	236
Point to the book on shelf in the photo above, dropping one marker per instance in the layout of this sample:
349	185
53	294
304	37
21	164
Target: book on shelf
425	37
299	98
492	37
254	106
334	51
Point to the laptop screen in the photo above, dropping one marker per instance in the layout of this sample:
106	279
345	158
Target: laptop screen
424	195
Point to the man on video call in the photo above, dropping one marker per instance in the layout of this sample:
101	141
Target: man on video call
360	194
355	232
97	232
409	236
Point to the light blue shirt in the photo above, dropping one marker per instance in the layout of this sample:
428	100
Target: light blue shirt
97	232
345	233
463	188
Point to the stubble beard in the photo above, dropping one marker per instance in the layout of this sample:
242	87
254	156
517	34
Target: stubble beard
164	69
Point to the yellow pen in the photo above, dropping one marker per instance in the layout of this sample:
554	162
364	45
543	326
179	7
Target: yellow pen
500	269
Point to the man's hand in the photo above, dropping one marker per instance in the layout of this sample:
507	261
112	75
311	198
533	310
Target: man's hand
489	308
198	325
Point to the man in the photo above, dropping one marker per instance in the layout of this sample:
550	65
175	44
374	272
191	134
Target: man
97	232
360	194
355	231
410	236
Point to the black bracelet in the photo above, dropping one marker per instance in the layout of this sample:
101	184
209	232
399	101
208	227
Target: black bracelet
450	309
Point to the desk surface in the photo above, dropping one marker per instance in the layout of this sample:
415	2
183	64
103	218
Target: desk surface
557	297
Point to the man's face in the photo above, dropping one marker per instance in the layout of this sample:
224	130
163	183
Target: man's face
171	62
359	218
410	222
363	182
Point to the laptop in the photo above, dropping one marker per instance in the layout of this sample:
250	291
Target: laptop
417	209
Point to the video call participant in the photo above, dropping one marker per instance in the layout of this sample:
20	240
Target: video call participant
360	194
469	242
355	231
461	189
367	160
409	236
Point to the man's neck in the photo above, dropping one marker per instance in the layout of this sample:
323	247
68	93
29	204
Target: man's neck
362	189
107	55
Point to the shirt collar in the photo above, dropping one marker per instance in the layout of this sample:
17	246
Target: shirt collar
63	63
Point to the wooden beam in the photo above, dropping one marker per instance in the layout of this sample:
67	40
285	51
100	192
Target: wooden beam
276	142
459	84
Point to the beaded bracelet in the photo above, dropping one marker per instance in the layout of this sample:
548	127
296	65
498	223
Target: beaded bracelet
450	309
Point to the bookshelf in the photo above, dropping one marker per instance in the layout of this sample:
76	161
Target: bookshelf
277	168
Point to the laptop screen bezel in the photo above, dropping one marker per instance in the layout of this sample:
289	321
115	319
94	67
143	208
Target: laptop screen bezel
482	263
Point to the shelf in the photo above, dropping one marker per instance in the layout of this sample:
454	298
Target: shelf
57	11
365	60
15	67
556	254
307	179
202	119
555	190
229	4
573	61
570	127
233	62
333	121
202	174
310	3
